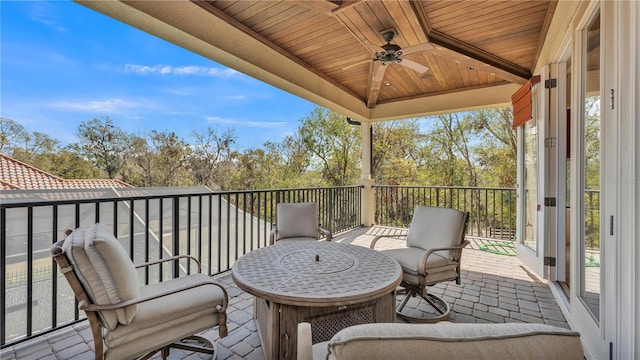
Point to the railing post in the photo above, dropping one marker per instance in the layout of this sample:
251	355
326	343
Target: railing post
330	210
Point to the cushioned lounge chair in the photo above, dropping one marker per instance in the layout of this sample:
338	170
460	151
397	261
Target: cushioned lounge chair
432	255
129	320
297	221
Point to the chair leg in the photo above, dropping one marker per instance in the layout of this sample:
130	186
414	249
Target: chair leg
441	312
187	344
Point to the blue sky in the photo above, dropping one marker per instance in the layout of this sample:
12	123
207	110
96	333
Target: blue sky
62	64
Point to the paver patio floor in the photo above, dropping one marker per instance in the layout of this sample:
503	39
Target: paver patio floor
494	289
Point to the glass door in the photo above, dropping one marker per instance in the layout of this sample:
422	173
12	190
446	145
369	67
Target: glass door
591	171
531	162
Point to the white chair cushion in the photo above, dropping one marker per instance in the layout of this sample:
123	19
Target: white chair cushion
409	258
435	227
169	318
297	220
455	341
105	271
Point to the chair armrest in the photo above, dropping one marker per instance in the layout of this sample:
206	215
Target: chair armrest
326	233
272	234
375	239
160	261
456	249
87	306
305	351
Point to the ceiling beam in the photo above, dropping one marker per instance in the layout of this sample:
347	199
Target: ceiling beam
478	59
469	55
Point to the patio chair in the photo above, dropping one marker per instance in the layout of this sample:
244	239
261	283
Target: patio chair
129	320
297	221
432	255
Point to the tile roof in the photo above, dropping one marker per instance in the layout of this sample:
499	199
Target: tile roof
16	175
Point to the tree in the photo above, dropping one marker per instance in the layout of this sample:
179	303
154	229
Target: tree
396	152
334	145
35	150
497	151
170	160
11	135
104	144
212	157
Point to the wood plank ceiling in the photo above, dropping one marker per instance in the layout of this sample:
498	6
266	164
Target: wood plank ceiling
447	46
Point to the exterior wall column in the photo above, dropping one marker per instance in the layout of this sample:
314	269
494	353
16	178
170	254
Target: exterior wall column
367	205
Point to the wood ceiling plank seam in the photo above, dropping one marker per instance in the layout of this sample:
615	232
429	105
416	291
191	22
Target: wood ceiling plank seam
423	19
284	32
306	18
473	75
321	6
463	50
445	72
317	38
437	5
257	12
319	56
483	77
406	27
284	16
485	14
222	4
435	70
345	5
223	16
400	79
457	77
543	32
415	82
415	21
452	13
237	6
352	28
466	77
496	27
454	7
371	21
326	62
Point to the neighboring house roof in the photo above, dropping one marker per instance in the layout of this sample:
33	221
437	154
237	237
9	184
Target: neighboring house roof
16	175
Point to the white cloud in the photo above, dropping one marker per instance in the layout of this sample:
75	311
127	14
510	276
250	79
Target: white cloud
243	123
180	70
43	13
236	97
99	106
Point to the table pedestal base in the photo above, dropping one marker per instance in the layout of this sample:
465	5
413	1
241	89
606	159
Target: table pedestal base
278	323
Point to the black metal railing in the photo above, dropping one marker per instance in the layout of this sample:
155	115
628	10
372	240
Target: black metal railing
215	227
492	211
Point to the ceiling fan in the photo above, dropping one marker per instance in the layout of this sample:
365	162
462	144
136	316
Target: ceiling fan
391	53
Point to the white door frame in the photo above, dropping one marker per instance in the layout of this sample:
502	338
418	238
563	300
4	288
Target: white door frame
534	258
598	334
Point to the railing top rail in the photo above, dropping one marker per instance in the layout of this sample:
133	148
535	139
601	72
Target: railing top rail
442	187
4	204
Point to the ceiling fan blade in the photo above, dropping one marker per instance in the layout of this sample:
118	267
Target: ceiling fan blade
378	70
414	66
356	64
379	74
416	48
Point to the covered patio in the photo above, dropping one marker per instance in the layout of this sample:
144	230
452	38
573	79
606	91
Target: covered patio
494	289
455	56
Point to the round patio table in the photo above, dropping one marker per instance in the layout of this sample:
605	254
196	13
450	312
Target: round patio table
328	284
